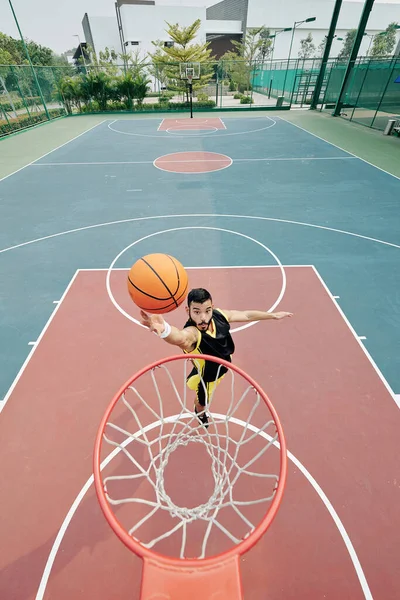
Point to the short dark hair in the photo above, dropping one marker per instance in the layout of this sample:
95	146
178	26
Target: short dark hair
199	295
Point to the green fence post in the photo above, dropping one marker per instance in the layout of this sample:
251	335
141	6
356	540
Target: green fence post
29	60
360	90
394	60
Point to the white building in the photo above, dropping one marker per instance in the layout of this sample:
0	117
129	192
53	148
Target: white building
139	22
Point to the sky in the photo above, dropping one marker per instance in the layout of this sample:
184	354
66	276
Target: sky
53	23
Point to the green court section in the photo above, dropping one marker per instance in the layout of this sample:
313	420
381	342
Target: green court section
370	145
20	149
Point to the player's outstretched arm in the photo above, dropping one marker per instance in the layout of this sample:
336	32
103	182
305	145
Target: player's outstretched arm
241	316
184	338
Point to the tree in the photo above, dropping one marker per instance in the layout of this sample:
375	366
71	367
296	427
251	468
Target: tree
241	62
307	47
384	43
265	47
321	47
182	51
348	44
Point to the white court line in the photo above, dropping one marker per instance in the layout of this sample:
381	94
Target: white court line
203	160
273	123
242	235
297	158
31	343
36	344
214	267
208	129
362	337
197	160
215	215
336	146
349	325
337	297
134	190
54	149
158	128
122	221
328	505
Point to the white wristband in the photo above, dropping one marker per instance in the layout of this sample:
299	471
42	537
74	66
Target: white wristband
167	330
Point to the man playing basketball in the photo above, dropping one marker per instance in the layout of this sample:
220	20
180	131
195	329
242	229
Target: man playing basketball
207	331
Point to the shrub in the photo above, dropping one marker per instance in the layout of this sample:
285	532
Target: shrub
246	100
24	121
238	96
202	97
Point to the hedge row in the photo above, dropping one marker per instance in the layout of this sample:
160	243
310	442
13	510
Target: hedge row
24	121
19	104
168	106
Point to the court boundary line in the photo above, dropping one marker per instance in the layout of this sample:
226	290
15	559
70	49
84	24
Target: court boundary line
343	150
305	472
54	149
36	343
357	338
154	135
234	160
58	303
394	396
208	267
184	216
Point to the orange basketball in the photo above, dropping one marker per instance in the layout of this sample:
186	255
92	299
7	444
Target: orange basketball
157	283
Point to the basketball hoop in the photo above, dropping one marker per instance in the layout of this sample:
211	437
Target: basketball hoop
190	551
190	79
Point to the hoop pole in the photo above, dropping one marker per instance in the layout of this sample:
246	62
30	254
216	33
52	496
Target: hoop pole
190	84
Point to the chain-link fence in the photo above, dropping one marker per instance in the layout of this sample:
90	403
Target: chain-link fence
21	103
372	96
373	91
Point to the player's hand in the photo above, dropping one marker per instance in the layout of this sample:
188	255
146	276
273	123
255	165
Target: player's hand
282	315
155	323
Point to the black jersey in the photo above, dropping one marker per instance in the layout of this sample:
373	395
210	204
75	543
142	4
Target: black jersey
219	343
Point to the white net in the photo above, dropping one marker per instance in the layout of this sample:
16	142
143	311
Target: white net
183	488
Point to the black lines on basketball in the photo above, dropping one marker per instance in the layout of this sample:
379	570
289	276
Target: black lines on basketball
158	283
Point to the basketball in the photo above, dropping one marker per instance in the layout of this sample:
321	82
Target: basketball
157	283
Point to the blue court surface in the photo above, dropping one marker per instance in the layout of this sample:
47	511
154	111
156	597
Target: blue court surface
305	199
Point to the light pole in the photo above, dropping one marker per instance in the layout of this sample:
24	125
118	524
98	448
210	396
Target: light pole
29	60
291	44
82	53
273	36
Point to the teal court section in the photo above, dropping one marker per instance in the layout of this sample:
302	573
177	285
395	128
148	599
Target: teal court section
308	201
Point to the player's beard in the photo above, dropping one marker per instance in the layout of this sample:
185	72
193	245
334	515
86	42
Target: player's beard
204	325
200	326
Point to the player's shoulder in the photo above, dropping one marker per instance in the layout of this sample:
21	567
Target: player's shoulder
221	313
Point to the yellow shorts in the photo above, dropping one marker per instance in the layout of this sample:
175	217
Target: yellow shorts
204	390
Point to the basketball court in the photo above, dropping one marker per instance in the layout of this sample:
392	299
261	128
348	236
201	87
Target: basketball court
266	216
